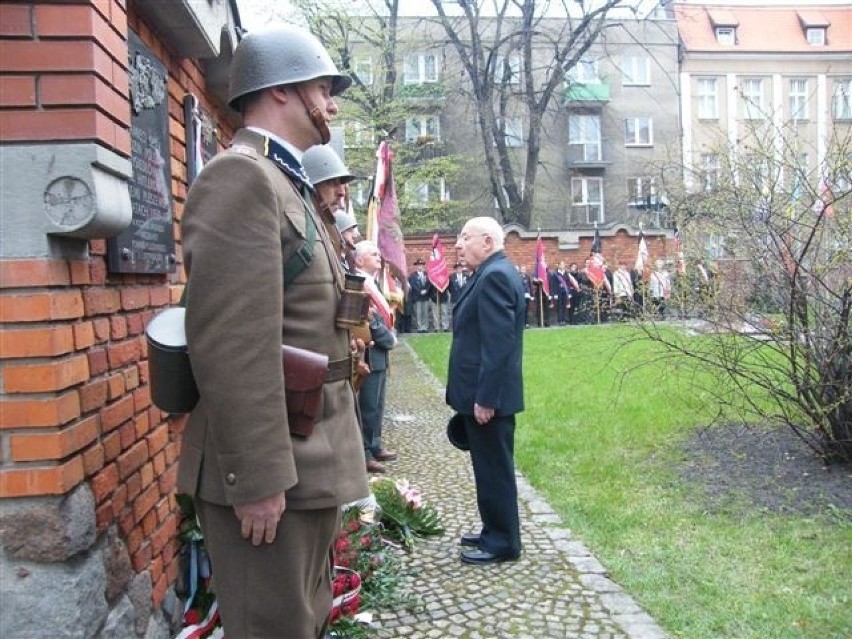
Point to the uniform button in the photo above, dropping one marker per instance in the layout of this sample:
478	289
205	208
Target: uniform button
230	479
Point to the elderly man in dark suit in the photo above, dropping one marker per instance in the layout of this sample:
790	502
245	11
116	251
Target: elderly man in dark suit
268	497
485	385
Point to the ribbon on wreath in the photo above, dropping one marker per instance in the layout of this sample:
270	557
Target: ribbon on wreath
198	630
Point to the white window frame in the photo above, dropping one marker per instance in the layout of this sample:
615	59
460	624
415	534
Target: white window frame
639	189
711	168
585	72
584	131
726	35
798	99
707	96
752	98
421	127
364	70
580	196
421	194
421	68
636	70
637	125
815	36
514	62
842	99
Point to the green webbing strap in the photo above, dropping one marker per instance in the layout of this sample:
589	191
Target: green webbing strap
299	260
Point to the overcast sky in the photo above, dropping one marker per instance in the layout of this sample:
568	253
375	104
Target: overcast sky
256	13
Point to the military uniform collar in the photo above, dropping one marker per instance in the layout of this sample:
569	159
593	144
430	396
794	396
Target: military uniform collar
284	155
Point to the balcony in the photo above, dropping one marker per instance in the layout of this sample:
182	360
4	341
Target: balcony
587	155
427	93
586	95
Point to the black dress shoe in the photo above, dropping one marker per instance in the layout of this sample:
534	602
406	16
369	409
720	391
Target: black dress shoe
484	557
469	539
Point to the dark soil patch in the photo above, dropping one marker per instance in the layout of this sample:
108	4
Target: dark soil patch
736	466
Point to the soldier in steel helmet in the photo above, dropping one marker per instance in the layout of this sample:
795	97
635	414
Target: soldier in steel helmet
262	270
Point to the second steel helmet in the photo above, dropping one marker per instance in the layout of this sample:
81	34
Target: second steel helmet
322	163
282	54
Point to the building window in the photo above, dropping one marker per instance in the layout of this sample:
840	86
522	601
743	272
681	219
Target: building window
799	177
799	99
815	36
636	70
584	138
843	99
726	35
364	70
708	99
423	129
752	89
587	193
508	68
638	132
584	72
421	68
512	130
710	171
506	194
422	194
641	191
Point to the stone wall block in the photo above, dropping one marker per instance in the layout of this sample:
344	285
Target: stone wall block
56	600
48	529
121	618
116	564
139	592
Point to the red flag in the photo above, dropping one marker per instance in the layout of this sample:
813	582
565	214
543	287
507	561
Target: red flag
383	223
595	270
436	268
540	268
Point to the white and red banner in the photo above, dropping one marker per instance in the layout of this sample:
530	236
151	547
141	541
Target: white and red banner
436	268
540	268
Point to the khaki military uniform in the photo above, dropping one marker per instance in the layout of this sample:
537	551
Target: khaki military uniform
243	218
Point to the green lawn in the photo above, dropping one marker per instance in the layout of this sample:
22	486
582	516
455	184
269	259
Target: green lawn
599	438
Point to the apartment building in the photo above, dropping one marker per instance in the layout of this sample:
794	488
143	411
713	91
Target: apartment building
755	78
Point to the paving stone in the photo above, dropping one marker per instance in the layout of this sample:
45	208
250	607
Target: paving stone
557	589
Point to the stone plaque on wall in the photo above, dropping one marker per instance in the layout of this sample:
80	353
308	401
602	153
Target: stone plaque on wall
148	245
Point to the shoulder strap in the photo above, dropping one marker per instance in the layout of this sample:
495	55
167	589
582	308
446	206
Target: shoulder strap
303	255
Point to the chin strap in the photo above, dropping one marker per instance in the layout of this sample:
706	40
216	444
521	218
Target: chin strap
315	113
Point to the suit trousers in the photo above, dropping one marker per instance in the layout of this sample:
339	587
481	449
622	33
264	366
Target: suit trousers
492	449
282	589
371	400
421	315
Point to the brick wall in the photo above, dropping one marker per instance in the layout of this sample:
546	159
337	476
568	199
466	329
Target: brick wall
76	405
621	246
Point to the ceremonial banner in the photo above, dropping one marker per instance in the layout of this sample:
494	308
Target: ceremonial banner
642	255
436	268
595	263
383	223
540	268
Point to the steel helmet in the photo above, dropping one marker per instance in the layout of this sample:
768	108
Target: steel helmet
283	54
344	221
322	163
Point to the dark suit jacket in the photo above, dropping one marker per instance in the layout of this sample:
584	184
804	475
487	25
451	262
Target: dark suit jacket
456	286
418	290
488	329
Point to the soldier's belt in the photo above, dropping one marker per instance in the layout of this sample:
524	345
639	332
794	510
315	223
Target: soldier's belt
339	369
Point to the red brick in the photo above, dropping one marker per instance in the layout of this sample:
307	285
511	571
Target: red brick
41	480
168	480
20	273
49	411
97	247
136	323
18	56
103	516
123	353
159	462
158	439
164	509
131	377
125	522
172	568
118	327
57	124
54	445
84	335
134	540
79	270
132	460
116	414
98	362
171	452
105	482
93	394
101	329
93	459
134	298
142	557
160	295
142	398
164	534
15	20
149	522
146	475
112	446
97	272
83	90
141	425
39	307
18	91
134	486
36	342
127	434
156	569
101	301
116	385
119	499
145	502
51	376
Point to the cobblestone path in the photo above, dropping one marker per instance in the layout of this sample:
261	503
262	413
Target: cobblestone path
556	590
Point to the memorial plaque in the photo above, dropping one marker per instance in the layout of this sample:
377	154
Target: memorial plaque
148	245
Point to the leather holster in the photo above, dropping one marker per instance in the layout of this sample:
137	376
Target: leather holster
304	375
